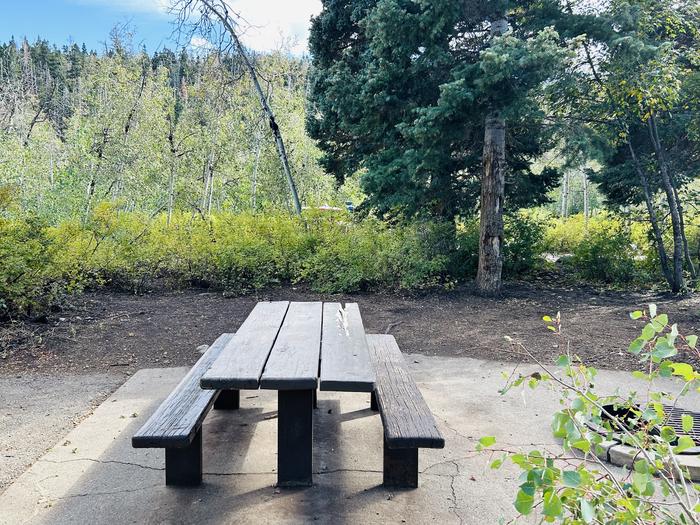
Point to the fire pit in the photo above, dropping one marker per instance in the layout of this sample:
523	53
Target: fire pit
620	454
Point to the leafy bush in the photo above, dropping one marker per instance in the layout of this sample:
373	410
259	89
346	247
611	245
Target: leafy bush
25	266
522	245
607	249
607	255
564	235
230	251
657	489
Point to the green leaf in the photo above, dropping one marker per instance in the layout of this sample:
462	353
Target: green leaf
684	443
637	345
692	340
636	314
641	466
552	504
687	422
571	478
683	370
582	445
523	502
659	322
641	375
668	434
639	481
487	441
648	331
663	349
547	319
587	511
563	360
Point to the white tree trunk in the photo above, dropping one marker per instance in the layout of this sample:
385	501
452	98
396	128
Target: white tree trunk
220	11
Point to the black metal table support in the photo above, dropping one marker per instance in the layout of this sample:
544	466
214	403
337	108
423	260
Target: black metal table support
373	402
294	438
183	466
228	400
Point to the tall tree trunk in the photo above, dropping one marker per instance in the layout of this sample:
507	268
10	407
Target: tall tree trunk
564	202
686	249
648	199
489	274
171	193
89	193
258	145
220	11
586	201
678	282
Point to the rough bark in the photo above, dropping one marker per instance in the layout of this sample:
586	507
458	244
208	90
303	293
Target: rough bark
489	273
686	249
488	277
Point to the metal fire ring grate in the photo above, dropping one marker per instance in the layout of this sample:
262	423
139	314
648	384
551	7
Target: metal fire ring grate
674	421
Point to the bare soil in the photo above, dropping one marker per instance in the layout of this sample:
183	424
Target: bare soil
116	332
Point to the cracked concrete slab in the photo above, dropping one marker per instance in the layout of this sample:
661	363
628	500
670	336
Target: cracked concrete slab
38	409
94	476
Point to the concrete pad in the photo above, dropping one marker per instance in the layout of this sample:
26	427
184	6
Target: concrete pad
38	409
94	476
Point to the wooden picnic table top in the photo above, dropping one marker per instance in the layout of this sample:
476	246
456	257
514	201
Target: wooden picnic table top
293	346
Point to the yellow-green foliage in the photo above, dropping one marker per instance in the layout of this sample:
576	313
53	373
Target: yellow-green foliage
25	260
231	251
605	248
331	252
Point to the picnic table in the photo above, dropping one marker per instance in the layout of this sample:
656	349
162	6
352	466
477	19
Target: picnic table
295	348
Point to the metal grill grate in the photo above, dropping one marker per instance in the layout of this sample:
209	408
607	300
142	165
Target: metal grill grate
674	421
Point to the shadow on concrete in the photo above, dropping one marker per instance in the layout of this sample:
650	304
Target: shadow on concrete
112	489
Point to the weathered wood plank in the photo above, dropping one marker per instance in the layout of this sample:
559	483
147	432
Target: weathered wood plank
408	422
345	362
243	360
293	361
177	420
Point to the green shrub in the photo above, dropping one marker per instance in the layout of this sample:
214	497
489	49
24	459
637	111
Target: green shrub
25	262
607	254
564	235
523	244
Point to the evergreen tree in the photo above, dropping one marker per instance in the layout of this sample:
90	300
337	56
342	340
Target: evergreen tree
401	91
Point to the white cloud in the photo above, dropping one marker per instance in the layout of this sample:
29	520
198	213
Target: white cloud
266	23
271	21
200	43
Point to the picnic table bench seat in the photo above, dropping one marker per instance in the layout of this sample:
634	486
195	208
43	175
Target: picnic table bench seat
407	420
176	425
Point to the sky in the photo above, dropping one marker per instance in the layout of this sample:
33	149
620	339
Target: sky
90	21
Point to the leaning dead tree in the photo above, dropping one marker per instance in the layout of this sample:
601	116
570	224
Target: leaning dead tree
213	18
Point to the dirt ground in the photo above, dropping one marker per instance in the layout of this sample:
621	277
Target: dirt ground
121	333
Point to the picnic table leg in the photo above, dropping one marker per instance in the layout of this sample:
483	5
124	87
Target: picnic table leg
294	438
373	402
228	400
400	467
183	466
